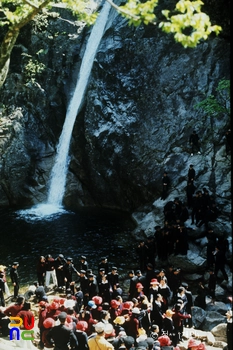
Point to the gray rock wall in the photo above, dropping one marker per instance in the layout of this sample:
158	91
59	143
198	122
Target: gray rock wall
135	122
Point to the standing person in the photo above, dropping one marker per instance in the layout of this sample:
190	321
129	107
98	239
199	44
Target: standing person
229	330
81	335
113	278
190	190
104	289
132	284
200	300
165	291
61	336
103	264
14	275
178	318
212	285
2	289
41	270
168	324
59	263
151	250
83	263
220	261
228	141
50	270
191	173
194	143
141	252
158	309
68	270
189	303
98	341
166	183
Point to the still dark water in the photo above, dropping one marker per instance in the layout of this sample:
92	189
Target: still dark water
90	232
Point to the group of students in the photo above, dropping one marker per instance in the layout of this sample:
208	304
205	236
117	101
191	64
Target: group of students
65	323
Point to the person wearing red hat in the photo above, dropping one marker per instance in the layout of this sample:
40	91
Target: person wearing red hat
114	309
61	337
139	291
153	290
47	325
81	335
41	318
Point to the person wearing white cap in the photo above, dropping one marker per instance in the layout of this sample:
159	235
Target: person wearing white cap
98	341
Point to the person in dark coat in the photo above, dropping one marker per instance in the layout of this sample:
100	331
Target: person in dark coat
220	261
202	292
194	143
41	270
189	304
132	284
168	324
59	263
39	292
68	271
142	255
191	173
229	330
228	141
178	319
210	248
81	335
2	289
61	336
190	190
158	309
105	289
14	275
103	264
212	285
166	184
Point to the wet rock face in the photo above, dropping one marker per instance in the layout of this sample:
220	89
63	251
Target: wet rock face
136	119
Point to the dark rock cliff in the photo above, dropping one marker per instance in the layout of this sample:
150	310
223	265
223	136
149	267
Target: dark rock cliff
135	121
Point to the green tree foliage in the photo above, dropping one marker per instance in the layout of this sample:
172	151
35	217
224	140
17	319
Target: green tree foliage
188	24
219	104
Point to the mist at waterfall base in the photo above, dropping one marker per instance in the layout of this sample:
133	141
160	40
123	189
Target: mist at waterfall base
90	232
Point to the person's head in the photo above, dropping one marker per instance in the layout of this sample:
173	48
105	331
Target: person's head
62	317
155	328
15	264
20	299
105	315
99	328
26	306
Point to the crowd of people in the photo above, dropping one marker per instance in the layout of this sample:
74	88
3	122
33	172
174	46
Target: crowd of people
95	312
91	311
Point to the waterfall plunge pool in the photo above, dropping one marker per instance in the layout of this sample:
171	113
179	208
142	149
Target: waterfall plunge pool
72	232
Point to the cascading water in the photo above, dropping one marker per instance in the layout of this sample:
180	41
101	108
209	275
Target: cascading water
60	168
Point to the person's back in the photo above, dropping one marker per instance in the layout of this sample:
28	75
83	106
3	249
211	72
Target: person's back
60	336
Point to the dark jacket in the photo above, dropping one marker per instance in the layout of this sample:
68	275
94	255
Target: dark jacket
61	336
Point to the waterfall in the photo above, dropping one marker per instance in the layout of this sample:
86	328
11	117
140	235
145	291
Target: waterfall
60	168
